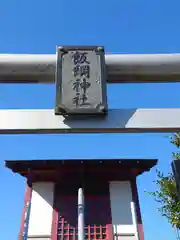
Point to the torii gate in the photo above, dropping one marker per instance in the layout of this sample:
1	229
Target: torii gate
40	68
120	69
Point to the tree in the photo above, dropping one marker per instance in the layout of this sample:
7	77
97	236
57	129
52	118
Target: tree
166	194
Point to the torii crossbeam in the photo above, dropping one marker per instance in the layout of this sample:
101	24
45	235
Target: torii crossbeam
121	68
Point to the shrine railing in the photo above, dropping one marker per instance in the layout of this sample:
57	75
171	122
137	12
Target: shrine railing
92	232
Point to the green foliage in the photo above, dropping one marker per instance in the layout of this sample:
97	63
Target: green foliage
166	194
175	139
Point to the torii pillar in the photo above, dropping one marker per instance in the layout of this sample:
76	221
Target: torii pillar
112	209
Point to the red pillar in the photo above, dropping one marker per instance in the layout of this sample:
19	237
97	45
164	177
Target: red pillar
27	199
137	205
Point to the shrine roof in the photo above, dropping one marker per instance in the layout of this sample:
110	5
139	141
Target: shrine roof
25	167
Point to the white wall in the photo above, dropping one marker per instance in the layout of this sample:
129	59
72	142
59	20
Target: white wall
41	213
121	209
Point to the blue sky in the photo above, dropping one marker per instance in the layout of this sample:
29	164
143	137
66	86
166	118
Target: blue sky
122	27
